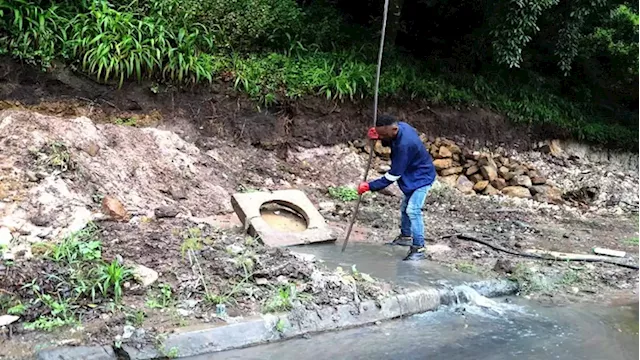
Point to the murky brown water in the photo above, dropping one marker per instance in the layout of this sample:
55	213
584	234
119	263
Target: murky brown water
283	219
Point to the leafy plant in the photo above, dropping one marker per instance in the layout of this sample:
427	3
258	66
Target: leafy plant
60	313
283	299
343	193
164	299
136	317
191	241
82	245
18	309
112	276
126	122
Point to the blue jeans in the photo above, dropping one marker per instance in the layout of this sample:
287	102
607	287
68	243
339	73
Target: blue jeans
412	223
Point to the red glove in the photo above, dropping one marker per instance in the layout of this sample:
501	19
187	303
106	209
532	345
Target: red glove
373	134
363	187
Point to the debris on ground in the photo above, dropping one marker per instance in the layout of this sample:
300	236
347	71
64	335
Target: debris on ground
136	224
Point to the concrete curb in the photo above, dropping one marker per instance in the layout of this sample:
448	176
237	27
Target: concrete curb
298	322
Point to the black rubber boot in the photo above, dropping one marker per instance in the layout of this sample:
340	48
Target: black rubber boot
415	253
401	240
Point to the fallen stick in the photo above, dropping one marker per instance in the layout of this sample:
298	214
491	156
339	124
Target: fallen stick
609	252
537	256
567	256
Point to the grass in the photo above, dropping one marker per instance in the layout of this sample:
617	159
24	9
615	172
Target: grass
60	313
82	279
631	241
161	300
79	246
18	309
530	281
571	277
112	276
126	122
466	267
283	299
343	193
192	240
135	317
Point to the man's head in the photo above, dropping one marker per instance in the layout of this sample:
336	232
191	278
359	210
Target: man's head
387	127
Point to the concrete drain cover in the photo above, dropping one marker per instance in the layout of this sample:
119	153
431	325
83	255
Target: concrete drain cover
281	218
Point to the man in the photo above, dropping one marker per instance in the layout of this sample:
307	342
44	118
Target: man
412	167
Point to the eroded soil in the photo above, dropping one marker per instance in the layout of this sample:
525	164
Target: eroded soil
186	154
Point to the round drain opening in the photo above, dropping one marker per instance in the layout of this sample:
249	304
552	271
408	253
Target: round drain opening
283	217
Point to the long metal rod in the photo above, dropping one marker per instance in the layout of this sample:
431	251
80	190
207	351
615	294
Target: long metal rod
375	119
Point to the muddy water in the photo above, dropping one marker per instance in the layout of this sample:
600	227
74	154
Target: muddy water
283	219
385	262
519	331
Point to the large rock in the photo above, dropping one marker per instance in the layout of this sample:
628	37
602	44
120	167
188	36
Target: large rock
444	152
465	185
490	190
451	180
517	191
521	180
166	212
538	180
8	320
144	275
114	208
551	147
451	171
489	172
487	160
499	183
480	185
442	164
503	171
382	151
547	194
476	177
472	170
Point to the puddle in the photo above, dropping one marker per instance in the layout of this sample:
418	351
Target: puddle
283	219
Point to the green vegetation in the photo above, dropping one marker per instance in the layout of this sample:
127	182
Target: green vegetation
57	156
466	267
631	241
572	66
79	278
343	193
530	281
79	246
135	317
283	299
161	300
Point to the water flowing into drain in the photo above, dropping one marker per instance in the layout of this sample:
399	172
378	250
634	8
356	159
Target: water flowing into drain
468	300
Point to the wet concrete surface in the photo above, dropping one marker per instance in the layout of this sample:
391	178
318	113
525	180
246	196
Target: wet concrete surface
522	331
385	262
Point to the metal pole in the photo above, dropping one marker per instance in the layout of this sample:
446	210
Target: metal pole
375	119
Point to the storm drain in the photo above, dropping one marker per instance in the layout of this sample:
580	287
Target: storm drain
281	218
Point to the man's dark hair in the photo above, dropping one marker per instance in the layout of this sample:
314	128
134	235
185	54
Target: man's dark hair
386	120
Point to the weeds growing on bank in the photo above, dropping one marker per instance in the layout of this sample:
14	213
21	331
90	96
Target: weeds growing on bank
82	278
343	193
117	43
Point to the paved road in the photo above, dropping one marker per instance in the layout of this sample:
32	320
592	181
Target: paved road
505	333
